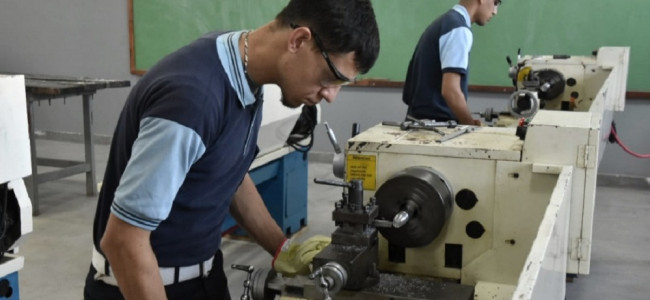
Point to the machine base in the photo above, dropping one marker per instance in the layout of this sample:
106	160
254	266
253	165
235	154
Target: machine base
393	286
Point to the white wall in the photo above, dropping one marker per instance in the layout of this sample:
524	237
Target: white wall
86	38
90	38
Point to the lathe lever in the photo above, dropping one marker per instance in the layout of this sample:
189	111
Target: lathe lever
323	282
421	124
401	218
461	130
246	295
332	277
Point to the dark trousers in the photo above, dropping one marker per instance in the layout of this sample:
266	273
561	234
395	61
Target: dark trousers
212	287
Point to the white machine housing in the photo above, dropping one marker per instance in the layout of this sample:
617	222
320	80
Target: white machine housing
535	196
15	160
277	121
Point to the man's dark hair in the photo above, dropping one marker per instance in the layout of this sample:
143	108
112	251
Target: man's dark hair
343	26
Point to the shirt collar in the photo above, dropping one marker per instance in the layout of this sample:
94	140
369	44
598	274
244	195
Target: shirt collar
463	11
228	51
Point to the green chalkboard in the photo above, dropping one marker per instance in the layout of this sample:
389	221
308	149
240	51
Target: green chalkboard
575	27
162	26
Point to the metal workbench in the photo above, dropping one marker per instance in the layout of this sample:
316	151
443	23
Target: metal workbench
46	87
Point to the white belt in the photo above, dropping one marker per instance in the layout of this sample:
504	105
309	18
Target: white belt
169	275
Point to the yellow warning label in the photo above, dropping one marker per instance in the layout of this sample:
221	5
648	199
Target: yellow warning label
362	167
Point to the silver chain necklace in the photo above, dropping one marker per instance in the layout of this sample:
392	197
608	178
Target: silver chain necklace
246	52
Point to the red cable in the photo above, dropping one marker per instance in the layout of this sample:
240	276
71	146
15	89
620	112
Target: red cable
626	148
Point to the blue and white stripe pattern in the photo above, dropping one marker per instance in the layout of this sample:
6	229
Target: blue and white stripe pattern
165	148
456	44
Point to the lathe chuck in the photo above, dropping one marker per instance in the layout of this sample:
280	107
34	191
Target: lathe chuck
424	195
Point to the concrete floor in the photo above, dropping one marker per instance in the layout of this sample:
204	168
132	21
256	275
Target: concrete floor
57	253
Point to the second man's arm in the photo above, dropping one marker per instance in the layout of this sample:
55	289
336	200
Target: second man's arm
455	99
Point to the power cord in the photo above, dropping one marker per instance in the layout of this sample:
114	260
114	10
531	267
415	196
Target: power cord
613	138
303	129
3	218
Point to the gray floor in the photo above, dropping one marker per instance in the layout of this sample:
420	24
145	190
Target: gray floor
57	253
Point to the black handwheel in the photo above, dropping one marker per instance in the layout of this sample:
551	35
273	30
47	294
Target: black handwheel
428	198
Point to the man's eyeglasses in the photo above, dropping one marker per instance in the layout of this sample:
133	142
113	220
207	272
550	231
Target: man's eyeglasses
340	78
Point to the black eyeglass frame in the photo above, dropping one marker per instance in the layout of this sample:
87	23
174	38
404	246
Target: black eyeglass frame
330	64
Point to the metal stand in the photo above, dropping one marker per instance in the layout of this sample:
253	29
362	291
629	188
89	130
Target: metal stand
66	167
42	87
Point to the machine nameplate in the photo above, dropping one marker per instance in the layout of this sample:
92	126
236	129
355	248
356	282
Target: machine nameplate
362	167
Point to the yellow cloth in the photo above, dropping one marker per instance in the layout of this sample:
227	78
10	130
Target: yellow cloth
296	260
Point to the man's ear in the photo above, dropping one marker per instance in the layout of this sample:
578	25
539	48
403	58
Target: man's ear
298	38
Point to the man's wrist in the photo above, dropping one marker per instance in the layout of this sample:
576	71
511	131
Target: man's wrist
283	247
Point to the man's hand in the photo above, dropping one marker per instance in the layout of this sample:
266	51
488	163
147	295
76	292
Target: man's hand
295	258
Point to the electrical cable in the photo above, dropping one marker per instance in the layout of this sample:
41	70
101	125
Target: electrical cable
294	140
303	129
3	218
618	141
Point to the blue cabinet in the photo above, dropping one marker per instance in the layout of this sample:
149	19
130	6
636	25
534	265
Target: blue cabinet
283	186
9	287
